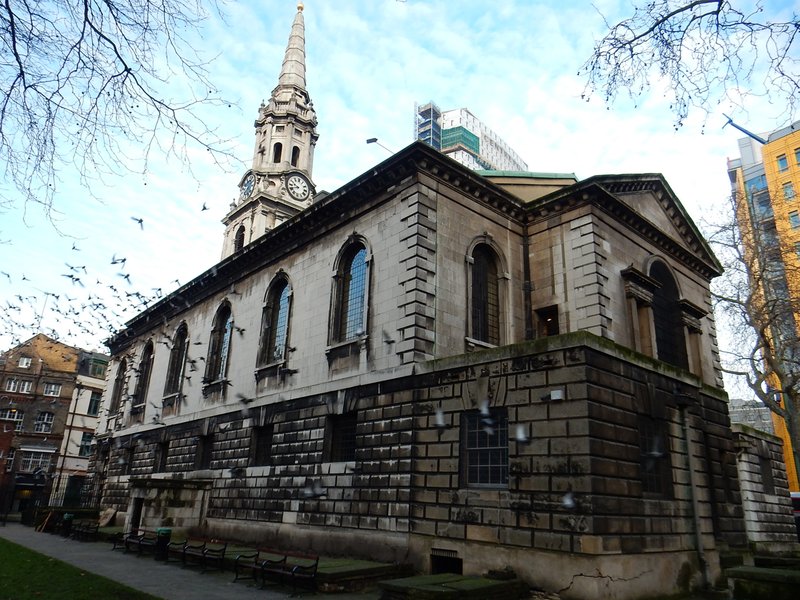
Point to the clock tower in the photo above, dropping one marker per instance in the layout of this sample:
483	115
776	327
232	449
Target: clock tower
278	185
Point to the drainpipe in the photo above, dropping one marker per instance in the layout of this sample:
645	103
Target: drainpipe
684	401
527	287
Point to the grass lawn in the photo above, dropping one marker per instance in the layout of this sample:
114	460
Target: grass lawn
26	575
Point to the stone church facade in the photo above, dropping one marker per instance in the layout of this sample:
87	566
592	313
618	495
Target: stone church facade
439	367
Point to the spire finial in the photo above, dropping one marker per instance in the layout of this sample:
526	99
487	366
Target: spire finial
293	71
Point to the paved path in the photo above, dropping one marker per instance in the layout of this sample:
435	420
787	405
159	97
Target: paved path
166	581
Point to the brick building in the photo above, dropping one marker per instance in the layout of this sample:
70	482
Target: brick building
430	365
38	380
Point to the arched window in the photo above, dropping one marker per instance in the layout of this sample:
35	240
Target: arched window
667	318
295	156
485	296
219	344
14	415
119	386
238	240
351	290
177	360
145	369
277	150
275	323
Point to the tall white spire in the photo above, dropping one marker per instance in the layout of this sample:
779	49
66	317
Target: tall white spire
278	185
293	70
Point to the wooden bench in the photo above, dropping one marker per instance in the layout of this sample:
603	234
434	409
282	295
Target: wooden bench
296	566
250	565
207	553
85	530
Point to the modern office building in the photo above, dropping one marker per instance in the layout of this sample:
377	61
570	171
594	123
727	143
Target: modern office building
463	137
764	180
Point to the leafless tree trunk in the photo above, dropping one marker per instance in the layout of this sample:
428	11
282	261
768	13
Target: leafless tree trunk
709	51
90	85
758	301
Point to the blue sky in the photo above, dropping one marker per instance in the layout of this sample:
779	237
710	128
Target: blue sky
513	64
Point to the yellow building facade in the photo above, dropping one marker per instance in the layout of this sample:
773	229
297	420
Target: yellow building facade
766	178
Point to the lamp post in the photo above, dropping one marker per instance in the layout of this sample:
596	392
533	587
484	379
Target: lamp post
375	141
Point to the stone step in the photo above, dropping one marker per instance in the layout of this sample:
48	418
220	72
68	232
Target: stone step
760	583
777	562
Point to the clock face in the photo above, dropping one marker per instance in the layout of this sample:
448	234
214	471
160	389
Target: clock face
247	186
297	187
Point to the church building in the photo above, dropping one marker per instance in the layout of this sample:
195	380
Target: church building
430	365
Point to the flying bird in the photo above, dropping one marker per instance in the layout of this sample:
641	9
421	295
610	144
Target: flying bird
521	434
439	420
139	221
313	489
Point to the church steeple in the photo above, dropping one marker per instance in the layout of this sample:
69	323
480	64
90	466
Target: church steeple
278	185
293	70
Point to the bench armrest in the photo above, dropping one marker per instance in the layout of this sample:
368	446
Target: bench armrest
194	546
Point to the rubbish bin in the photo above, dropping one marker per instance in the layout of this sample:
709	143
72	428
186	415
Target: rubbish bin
163	536
66	524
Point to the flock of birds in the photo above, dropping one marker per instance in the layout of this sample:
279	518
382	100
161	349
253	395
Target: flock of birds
93	306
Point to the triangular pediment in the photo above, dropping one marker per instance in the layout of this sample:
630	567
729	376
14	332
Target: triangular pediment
650	196
646	203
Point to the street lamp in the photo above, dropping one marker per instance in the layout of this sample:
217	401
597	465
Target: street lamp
375	141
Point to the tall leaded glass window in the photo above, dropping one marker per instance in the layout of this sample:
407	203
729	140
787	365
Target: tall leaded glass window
177	360
485	303
351	280
145	369
667	319
219	344
275	323
119	386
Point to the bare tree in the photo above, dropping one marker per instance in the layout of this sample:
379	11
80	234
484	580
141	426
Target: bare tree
709	51
758	301
93	85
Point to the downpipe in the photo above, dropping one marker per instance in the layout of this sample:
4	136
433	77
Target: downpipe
683	407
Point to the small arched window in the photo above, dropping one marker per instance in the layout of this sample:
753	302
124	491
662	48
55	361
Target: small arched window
145	369
177	360
295	156
485	296
350	294
238	240
275	323
119	386
277	151
667	318
219	344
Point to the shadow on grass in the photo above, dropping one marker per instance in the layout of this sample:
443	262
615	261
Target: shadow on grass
28	575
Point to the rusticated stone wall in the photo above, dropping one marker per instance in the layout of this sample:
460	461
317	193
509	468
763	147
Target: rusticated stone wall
575	486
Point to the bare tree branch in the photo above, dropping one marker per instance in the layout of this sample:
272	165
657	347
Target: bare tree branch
757	301
96	85
708	50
